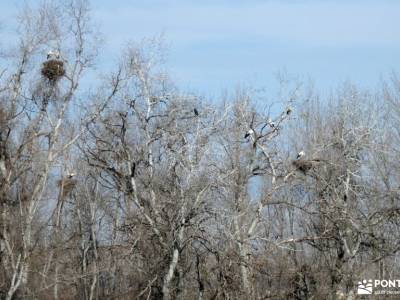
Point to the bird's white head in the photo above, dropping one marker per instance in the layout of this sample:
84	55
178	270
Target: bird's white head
54	54
300	154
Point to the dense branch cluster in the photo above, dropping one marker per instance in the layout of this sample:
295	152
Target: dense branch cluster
131	189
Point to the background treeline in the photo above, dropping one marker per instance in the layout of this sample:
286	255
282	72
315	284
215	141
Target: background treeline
120	186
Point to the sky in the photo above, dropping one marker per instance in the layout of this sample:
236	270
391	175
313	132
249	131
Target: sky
217	45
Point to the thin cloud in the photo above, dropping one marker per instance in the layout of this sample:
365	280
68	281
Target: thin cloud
302	22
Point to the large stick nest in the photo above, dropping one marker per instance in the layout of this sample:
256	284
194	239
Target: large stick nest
53	70
303	165
66	185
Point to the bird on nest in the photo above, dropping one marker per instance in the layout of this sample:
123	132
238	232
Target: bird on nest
53	54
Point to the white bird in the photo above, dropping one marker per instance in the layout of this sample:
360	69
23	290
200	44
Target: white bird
271	123
250	132
300	154
53	54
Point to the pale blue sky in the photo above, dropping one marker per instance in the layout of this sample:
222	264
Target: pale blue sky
214	45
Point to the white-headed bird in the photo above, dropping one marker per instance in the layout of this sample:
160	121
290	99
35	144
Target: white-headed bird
300	154
53	54
249	133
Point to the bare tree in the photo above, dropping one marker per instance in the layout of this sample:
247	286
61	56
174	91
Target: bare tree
152	151
128	188
34	110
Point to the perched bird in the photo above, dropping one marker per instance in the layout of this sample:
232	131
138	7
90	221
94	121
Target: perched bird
288	110
196	112
300	154
249	133
53	54
271	123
